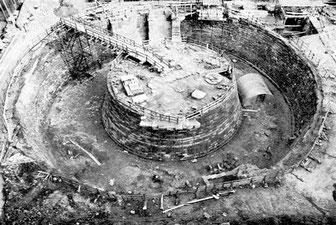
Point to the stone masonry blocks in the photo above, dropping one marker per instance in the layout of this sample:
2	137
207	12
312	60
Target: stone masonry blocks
218	126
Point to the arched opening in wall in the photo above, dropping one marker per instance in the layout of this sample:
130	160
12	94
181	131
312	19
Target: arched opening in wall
261	98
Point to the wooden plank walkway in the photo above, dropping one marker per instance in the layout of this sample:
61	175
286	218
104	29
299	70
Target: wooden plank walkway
128	45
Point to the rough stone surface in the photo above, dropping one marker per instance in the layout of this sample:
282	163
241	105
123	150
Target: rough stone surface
275	58
218	125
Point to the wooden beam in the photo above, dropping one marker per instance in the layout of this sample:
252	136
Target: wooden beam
192	202
8	10
88	153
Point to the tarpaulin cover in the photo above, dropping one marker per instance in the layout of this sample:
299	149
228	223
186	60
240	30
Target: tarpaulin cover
250	86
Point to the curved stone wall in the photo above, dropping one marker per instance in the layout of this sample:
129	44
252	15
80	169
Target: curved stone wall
218	125
273	56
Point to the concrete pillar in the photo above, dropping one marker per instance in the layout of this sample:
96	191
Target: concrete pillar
129	26
176	30
159	25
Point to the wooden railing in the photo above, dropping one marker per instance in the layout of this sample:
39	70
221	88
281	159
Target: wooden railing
214	103
149	113
112	11
119	41
22	60
134	107
210	105
153	58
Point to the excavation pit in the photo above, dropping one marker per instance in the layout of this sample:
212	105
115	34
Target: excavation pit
61	123
53	112
51	122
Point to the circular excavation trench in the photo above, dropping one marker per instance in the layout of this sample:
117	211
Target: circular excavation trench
60	117
74	116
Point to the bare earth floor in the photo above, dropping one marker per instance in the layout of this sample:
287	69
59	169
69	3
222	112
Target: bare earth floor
76	115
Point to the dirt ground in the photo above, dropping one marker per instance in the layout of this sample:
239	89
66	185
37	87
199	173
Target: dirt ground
76	115
318	184
36	197
33	196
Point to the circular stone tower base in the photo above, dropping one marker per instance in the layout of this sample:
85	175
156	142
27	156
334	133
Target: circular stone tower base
184	114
